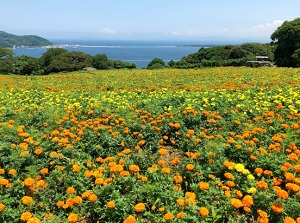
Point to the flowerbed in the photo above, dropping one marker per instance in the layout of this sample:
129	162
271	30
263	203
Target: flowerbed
211	145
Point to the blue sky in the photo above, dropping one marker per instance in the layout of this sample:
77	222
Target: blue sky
233	20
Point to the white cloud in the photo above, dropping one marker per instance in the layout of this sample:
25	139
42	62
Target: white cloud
108	31
269	26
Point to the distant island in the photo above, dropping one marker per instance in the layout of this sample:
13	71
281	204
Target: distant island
8	40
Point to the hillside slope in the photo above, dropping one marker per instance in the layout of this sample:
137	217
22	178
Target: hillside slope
11	40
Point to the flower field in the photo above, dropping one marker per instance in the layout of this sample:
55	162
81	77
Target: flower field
206	145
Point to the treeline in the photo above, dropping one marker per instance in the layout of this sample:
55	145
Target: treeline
224	56
56	60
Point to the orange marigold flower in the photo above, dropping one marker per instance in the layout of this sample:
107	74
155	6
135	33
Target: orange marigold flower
277	208
189	167
33	220
229	176
292	187
111	204
180	215
282	194
168	216
44	171
297	168
12	171
162	152
203	211
203	185
236	203
289	220
247	201
180	202
93	197
124	174
27	200
29	182
262	185
134	168
177	179
76	168
25	216
4	182
289	176
2	206
166	170
73	218
140	207
70	190
258	171
130	219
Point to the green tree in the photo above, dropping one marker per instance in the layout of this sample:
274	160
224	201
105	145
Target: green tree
70	61
296	57
100	61
156	63
5	53
25	65
287	40
49	56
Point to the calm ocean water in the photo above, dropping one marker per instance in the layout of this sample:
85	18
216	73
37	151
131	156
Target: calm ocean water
138	52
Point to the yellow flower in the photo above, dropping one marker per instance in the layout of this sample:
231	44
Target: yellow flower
33	220
239	167
25	216
250	177
251	190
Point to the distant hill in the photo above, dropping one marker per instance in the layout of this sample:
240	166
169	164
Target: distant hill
8	40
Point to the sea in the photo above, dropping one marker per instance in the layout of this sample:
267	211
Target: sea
136	51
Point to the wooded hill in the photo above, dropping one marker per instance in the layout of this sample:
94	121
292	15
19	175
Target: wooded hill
8	40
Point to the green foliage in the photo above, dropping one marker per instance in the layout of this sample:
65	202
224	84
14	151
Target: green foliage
25	65
156	63
10	40
100	61
224	56
5	53
296	57
287	41
49	56
70	61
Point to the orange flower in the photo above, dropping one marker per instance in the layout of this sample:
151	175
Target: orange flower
111	204
134	168
282	194
76	168
162	152
44	171
228	176
247	201
70	190
73	218
140	207
180	215
289	220
29	182
289	176
25	216
236	203
168	216
93	197
2	206
166	170
12	172
27	200
180	202
33	220
177	179
189	167
277	208
262	185
130	219
203	185
203	211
